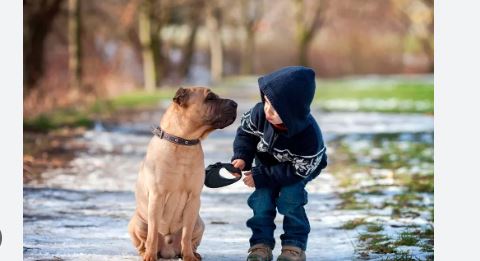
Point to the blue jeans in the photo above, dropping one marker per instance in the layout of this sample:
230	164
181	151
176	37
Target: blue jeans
290	201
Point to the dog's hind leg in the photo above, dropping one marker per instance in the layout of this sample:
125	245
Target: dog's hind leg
138	234
197	236
198	233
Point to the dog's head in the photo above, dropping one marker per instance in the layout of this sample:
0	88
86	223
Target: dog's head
203	107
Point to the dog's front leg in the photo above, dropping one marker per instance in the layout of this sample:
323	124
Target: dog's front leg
151	244
190	215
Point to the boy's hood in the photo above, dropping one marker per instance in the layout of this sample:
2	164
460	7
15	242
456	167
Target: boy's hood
290	90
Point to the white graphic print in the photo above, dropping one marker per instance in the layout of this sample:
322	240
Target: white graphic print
248	126
304	165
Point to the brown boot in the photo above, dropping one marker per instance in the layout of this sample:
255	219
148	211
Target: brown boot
260	252
292	253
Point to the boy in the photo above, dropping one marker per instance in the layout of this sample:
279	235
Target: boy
287	145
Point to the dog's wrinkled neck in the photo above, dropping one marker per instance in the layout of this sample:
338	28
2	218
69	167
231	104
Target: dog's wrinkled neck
174	122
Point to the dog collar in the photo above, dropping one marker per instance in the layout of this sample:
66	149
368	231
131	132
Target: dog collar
172	138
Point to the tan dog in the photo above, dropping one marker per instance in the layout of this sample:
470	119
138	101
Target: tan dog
166	222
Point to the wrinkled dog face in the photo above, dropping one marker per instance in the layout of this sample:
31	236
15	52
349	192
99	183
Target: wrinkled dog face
204	107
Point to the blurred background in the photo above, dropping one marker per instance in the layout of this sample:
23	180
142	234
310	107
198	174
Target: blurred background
80	51
99	74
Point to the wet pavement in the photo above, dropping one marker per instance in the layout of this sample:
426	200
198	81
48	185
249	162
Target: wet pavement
81	212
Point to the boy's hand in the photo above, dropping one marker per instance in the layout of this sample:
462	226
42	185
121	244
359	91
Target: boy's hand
239	163
248	180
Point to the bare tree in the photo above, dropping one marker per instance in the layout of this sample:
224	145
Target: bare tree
38	17
251	13
308	21
153	15
417	16
74	45
146	35
193	20
427	39
213	23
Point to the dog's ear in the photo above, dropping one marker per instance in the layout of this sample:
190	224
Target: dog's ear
181	96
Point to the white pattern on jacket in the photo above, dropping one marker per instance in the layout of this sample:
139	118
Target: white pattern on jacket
304	164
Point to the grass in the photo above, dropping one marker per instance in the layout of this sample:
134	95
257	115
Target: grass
407	199
427	247
352	224
407	204
84	116
68	117
407	238
373	242
350	202
417	183
401	256
396	213
373	228
377	243
328	91
426	234
399	96
372	237
411	171
334	89
140	99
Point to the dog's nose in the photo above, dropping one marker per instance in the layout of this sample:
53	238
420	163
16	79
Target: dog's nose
232	103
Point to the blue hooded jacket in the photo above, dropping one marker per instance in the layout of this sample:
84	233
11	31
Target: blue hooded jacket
282	157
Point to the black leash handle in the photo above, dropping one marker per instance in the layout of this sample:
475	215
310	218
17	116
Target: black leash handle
213	179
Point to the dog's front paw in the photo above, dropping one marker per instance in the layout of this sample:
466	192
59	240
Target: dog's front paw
150	256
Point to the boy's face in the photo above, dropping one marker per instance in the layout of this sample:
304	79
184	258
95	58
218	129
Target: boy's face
270	113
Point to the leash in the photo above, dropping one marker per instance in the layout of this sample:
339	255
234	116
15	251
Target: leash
213	179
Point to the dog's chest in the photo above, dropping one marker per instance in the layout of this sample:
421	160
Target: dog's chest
173	205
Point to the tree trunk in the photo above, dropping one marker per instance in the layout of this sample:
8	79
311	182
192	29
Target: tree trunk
215	40
74	45
189	47
250	14
303	47
301	34
306	26
428	50
428	46
248	53
38	20
148	55
423	39
160	61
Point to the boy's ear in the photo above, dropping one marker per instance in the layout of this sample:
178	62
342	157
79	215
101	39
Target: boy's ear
181	96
